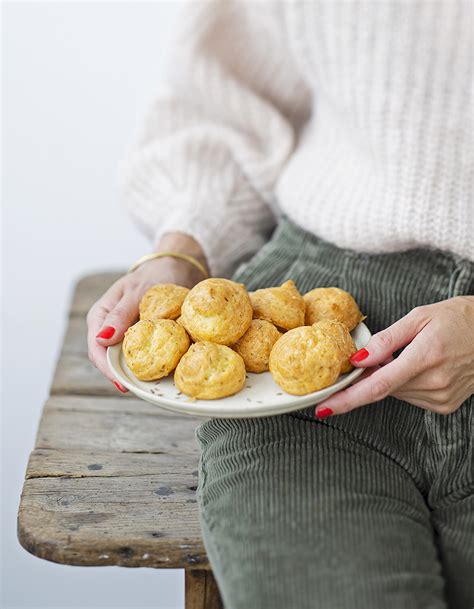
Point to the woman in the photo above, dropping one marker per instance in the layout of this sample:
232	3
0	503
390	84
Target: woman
352	124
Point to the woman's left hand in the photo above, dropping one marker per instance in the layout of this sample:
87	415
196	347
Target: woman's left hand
435	370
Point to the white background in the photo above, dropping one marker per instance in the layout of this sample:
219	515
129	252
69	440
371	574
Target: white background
77	78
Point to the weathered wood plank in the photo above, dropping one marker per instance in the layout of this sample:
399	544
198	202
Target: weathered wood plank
116	432
112	479
102	404
89	288
75	337
201	591
51	463
144	521
75	375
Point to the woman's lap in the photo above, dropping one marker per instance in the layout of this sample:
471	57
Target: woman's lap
299	514
358	509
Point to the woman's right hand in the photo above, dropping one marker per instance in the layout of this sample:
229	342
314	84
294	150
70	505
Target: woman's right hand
117	309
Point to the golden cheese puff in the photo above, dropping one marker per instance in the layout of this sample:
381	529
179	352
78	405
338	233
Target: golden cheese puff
341	335
162	301
217	310
152	349
209	371
284	306
305	360
332	303
256	344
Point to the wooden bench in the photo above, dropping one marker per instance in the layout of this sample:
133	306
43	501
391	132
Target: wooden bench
112	479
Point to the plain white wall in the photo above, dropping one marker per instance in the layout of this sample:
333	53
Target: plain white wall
77	78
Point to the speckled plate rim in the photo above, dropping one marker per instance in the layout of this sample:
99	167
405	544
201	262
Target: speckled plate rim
236	406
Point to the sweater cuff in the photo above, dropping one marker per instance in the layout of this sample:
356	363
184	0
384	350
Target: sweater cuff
225	243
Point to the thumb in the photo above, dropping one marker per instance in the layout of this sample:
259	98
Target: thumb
118	320
382	345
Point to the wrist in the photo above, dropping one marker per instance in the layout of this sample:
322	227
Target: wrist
182	244
169	269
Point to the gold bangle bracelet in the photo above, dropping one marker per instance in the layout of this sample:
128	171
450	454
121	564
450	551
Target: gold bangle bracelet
191	259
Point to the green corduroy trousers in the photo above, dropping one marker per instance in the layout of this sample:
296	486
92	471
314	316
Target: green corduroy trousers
373	509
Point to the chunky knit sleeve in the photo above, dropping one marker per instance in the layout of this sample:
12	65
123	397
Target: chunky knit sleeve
212	149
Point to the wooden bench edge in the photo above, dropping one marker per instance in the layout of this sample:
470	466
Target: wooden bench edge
56	551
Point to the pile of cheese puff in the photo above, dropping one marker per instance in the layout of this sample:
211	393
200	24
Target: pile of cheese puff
215	332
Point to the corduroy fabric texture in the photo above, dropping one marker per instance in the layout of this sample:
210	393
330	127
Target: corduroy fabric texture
366	510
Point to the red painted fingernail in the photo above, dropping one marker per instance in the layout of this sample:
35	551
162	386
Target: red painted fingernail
120	387
106	332
323	413
359	356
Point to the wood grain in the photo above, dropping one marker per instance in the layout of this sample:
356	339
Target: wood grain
109	474
146	520
116	431
75	375
47	463
101	404
112	479
201	591
89	288
75	336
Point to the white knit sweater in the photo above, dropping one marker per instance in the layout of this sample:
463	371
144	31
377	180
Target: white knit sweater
355	119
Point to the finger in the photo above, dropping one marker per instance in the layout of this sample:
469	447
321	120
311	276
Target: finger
367	372
383	382
430	387
119	319
98	357
97	353
99	311
417	398
95	319
382	345
419	402
434	401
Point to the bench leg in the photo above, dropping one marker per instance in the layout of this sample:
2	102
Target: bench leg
201	591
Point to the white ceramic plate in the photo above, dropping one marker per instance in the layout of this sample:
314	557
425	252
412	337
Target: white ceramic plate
260	397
